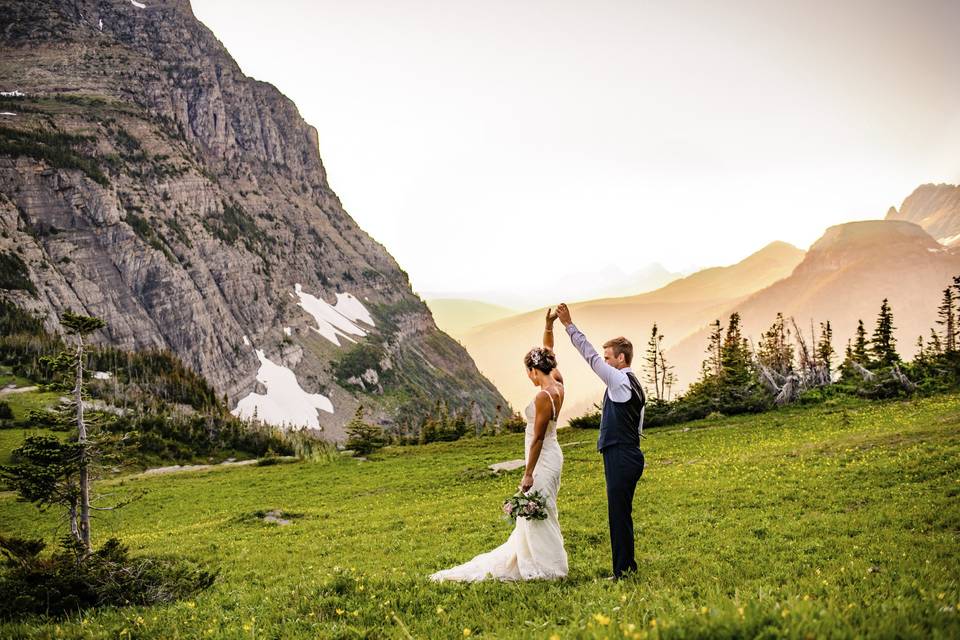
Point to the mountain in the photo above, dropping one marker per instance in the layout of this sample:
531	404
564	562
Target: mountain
679	308
146	180
607	282
455	316
843	278
936	208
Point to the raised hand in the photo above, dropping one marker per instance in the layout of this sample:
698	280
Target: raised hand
563	312
551	316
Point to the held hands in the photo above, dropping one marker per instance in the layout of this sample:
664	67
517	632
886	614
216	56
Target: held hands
526	483
563	312
551	317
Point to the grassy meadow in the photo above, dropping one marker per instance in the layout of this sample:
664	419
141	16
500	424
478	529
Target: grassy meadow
839	520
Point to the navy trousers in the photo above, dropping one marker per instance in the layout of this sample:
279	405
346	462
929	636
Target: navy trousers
622	468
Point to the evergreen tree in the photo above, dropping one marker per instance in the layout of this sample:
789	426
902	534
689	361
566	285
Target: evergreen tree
825	350
884	343
363	437
922	352
651	359
948	320
776	350
667	376
735	356
861	353
712	366
934	346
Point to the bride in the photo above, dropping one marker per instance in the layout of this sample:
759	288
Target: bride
535	548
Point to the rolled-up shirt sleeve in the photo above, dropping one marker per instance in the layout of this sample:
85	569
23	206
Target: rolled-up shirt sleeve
618	385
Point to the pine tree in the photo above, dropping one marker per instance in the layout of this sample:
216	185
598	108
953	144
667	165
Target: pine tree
363	437
861	354
934	346
735	355
884	343
921	356
776	351
948	320
668	378
825	350
712	366
652	361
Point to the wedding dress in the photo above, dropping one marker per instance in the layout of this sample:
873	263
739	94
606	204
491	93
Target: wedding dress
535	548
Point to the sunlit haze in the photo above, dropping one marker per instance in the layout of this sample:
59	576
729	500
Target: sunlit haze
493	147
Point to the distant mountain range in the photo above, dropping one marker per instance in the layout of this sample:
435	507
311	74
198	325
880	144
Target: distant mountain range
680	308
608	282
842	278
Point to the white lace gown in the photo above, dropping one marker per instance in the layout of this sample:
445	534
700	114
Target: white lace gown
534	551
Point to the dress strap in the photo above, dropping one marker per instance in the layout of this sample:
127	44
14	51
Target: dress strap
552	404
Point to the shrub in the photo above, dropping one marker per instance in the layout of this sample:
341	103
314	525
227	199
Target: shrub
586	421
71	580
362	437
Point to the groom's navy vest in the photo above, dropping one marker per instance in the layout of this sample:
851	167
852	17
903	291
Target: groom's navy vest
620	421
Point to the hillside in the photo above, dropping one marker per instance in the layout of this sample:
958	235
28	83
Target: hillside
828	522
844	277
679	308
455	315
146	180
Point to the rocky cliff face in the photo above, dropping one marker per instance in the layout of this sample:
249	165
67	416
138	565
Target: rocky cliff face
146	180
936	208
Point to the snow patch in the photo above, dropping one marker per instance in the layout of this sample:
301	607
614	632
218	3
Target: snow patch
246	341
102	375
138	5
12	94
285	404
351	308
336	321
288	331
101	24
949	239
7	113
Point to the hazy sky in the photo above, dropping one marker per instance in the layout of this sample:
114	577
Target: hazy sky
496	146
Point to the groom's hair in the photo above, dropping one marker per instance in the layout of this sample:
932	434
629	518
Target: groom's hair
621	345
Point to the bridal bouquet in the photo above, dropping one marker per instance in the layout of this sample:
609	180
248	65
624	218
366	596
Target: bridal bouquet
532	506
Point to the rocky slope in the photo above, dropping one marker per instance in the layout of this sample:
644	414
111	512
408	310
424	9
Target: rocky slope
936	208
146	180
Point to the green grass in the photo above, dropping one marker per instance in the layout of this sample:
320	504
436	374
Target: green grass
22	403
834	521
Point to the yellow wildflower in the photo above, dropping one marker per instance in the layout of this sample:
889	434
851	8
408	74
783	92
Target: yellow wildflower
467	632
704	610
601	619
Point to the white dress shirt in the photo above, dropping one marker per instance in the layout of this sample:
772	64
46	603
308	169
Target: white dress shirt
618	384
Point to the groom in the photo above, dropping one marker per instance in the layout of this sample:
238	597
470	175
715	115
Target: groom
619	442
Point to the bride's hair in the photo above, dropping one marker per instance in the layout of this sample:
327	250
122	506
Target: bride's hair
541	359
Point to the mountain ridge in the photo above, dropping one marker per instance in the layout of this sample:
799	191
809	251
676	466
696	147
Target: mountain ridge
148	181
